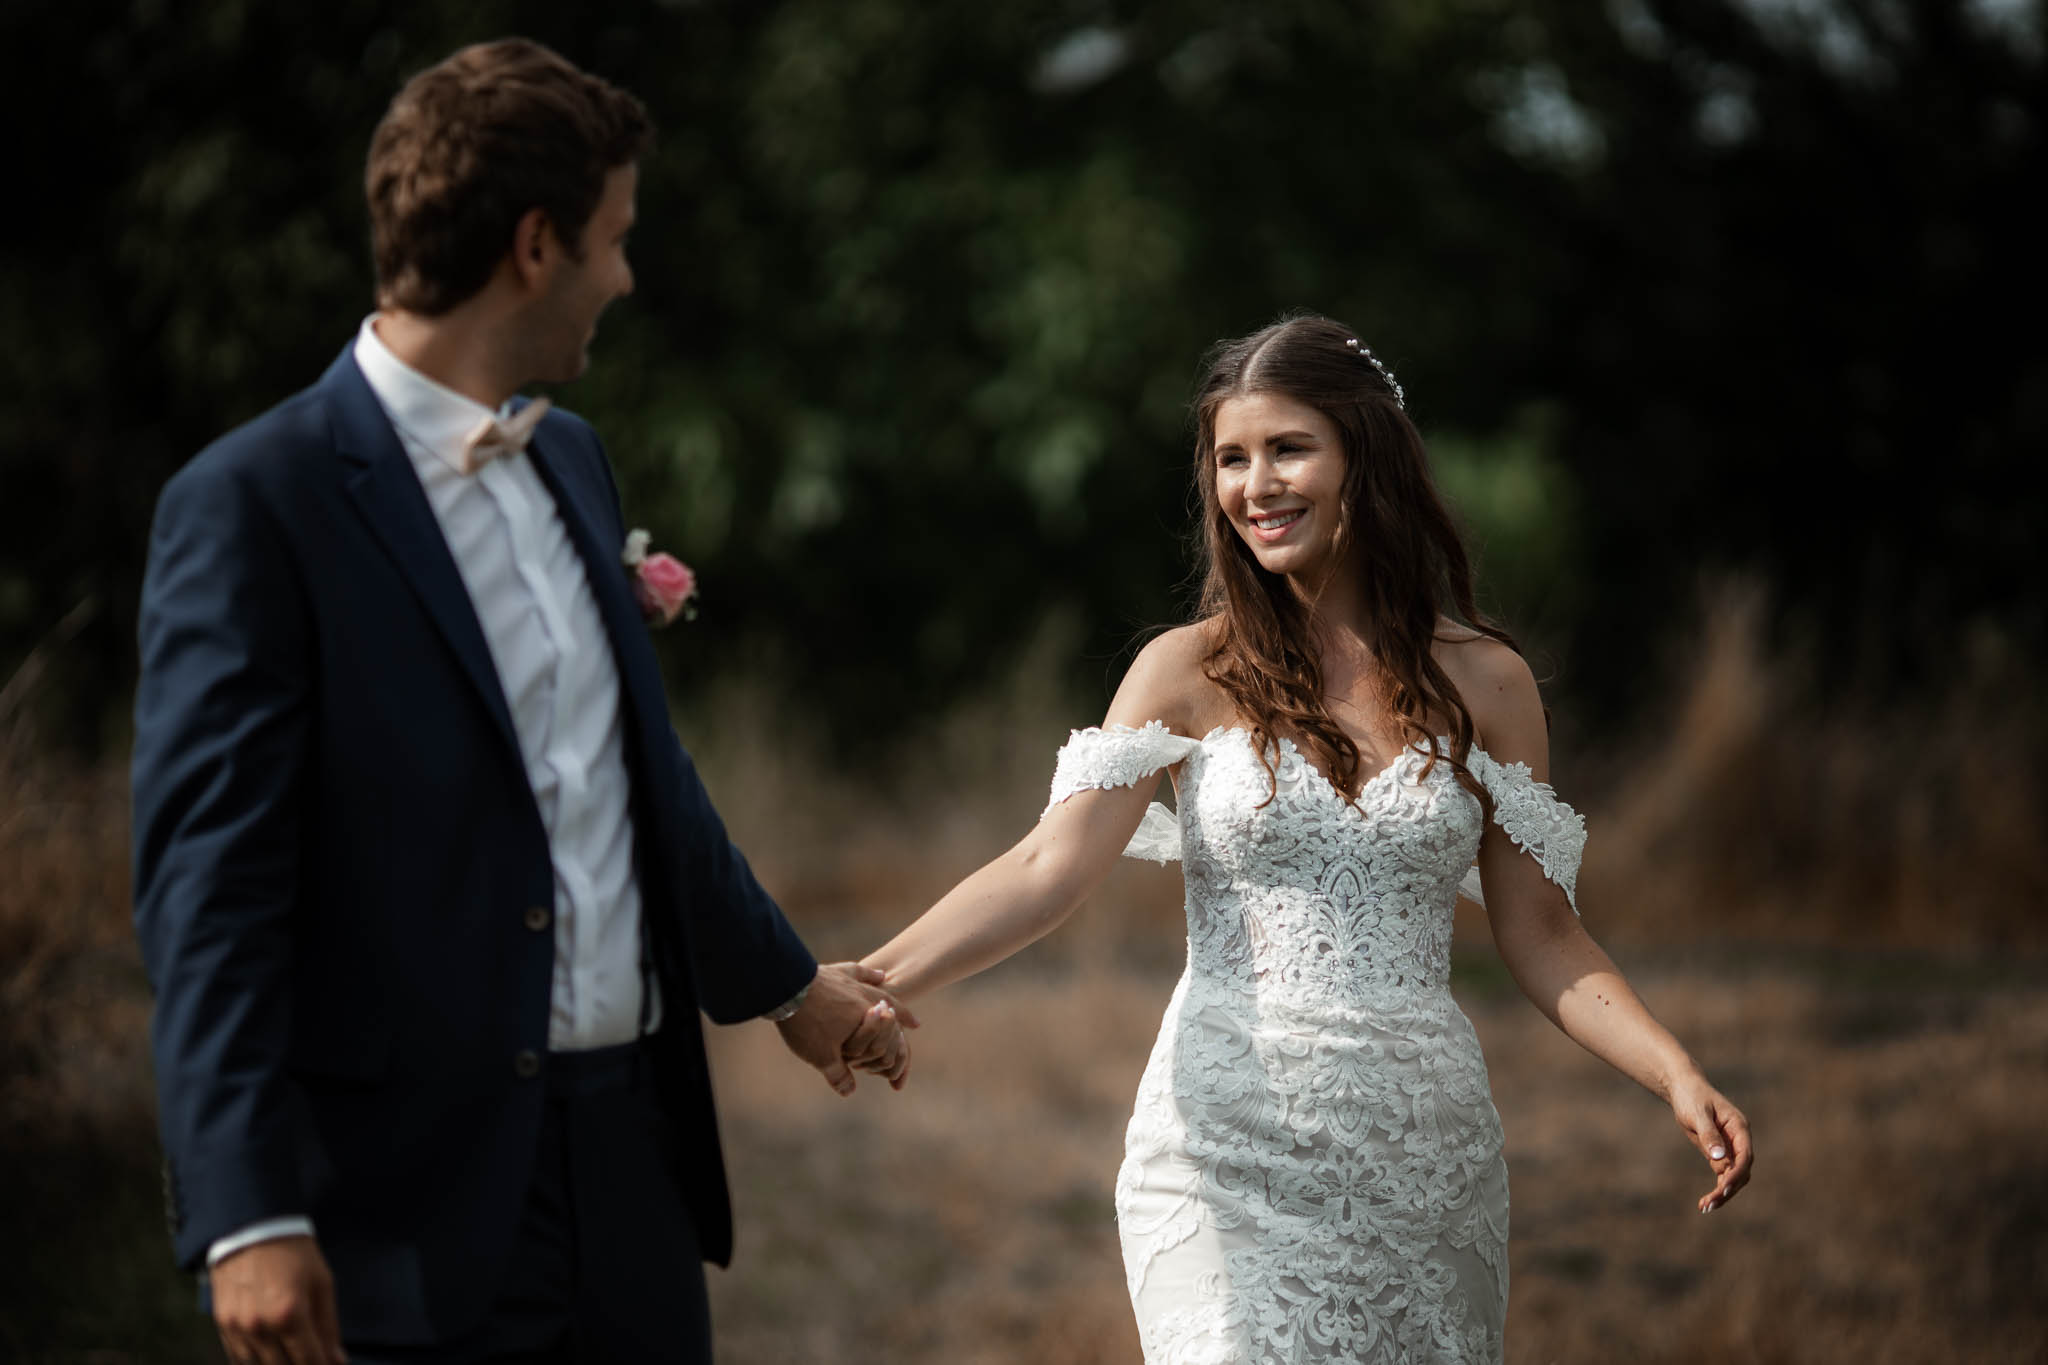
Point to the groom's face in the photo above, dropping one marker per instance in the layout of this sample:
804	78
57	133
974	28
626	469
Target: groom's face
566	320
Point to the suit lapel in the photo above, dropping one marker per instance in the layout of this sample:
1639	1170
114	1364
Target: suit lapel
388	494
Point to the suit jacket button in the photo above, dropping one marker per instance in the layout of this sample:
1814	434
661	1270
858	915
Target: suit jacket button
537	918
527	1064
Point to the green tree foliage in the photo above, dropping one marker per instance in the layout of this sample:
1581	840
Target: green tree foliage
1673	285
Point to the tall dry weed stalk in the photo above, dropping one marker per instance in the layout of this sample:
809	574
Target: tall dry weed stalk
1767	809
85	1265
74	1005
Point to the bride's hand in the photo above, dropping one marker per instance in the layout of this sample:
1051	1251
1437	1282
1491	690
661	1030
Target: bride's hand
1721	1133
847	1021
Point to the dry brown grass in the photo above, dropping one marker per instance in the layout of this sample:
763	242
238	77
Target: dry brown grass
84	1260
1844	927
1765	808
1898	1213
72	1053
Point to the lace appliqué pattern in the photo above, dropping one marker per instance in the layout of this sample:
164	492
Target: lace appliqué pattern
1312	1171
1529	812
1119	756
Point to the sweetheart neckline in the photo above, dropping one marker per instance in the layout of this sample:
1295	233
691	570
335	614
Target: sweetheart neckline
1288	745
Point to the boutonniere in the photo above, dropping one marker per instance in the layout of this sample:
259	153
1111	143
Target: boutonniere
663	585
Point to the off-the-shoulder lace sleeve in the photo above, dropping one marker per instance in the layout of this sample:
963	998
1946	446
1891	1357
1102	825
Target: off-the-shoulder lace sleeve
1095	759
1529	812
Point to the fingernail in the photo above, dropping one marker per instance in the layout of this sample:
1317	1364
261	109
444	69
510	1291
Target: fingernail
1717	1152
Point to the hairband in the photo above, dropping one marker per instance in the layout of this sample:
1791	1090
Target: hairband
1400	399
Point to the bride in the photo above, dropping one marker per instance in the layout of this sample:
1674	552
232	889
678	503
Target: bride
1313	1169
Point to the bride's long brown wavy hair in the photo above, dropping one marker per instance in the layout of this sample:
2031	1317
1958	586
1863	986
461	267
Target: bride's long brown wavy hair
1394	533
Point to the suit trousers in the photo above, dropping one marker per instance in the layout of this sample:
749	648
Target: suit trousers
607	1266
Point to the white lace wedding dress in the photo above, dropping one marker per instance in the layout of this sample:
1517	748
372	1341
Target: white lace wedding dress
1313	1169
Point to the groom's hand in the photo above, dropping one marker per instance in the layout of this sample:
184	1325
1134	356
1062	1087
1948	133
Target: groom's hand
274	1305
848	1018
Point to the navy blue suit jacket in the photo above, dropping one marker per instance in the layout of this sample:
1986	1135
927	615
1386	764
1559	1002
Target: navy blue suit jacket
336	850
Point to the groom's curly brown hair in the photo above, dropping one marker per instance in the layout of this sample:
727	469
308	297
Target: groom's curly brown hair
469	146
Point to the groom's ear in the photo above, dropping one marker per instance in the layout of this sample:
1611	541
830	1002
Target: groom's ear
534	245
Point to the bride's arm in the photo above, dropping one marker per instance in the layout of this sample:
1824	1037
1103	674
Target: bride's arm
1564	972
1019	897
1027	892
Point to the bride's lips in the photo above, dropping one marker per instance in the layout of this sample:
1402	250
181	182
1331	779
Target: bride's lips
1278	524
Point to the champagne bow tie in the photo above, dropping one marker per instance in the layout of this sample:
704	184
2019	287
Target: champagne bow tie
491	438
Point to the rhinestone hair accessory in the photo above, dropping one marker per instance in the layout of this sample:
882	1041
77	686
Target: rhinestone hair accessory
1400	399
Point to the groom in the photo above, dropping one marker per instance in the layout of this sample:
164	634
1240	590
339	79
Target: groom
430	896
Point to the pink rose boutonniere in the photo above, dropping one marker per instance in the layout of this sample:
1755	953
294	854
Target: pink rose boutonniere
663	585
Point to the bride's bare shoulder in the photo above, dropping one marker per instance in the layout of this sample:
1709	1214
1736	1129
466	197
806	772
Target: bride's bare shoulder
1493	680
1168	681
1183	647
1465	653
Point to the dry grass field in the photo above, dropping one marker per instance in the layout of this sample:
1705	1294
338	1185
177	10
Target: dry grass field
1847	931
1899	1212
1845	927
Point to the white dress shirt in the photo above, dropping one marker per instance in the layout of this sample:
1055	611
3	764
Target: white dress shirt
555	664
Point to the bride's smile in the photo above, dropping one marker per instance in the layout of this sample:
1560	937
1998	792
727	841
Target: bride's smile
1280	480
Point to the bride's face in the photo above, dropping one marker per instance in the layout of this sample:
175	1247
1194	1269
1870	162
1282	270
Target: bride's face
1280	481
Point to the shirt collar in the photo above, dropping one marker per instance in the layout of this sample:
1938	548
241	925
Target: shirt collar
434	416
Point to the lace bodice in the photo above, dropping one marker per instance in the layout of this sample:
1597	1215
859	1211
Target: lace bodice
1312	1171
1313	901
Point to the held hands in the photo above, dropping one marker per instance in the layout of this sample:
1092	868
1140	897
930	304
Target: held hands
848	1022
274	1305
1719	1130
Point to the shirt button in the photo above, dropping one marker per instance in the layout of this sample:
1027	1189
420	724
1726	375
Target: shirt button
537	918
527	1064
